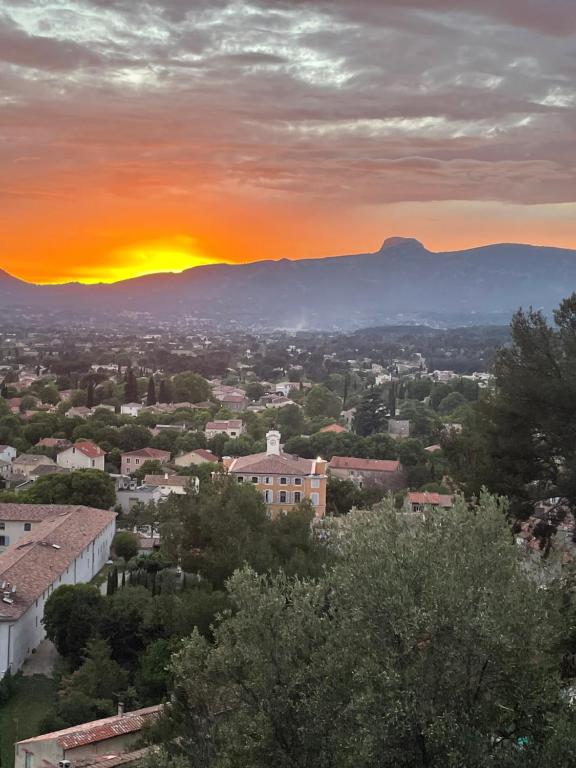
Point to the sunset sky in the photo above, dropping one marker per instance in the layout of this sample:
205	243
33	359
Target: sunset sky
138	137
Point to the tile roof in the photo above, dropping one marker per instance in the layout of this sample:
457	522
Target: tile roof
88	448
148	453
176	480
230	424
336	428
32	458
112	761
39	557
435	499
99	730
365	465
27	512
204	453
263	463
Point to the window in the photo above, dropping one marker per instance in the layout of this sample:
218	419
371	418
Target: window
315	499
282	497
240	479
283	481
232	434
27	526
315	483
268	497
137	461
3	541
297	481
254	479
128	460
297	497
93	462
28	760
2	526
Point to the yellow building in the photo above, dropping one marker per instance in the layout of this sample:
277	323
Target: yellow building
284	480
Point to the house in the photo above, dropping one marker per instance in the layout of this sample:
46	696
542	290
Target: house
368	472
195	458
109	742
82	455
133	460
59	443
128	498
348	416
27	462
19	519
5	470
147	545
285	387
236	403
78	412
70	545
417	501
283	479
46	469
131	409
168	484
231	428
7	453
336	429
399	428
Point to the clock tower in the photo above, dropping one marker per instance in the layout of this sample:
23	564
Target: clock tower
273	443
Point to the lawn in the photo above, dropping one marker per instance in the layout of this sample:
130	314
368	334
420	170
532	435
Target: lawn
21	716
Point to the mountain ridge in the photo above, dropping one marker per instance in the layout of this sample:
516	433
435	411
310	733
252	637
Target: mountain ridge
400	281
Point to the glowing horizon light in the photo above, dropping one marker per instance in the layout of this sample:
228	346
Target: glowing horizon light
169	255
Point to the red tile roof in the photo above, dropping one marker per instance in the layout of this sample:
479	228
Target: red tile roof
39	557
336	428
26	512
365	465
148	453
174	480
205	454
99	730
88	448
223	425
270	464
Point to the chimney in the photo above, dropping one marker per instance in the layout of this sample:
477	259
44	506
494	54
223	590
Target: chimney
120	709
273	443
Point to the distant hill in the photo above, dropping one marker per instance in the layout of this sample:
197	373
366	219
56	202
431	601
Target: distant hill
403	282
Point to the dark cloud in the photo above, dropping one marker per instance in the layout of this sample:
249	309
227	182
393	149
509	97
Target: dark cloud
365	101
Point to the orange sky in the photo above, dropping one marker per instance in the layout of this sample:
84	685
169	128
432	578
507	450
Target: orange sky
145	137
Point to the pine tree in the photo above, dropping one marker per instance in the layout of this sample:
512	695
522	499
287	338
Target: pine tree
151	396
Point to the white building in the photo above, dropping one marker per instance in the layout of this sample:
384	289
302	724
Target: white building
109	742
16	520
131	409
70	546
82	455
7	453
231	427
168	484
285	387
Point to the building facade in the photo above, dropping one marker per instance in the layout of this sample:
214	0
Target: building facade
133	460
283	480
69	546
82	455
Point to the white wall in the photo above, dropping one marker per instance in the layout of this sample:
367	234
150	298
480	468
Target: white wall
19	638
73	459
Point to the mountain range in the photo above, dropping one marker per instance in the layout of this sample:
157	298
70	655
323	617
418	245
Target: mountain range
401	282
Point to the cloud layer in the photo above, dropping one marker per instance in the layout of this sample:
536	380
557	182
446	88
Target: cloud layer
186	108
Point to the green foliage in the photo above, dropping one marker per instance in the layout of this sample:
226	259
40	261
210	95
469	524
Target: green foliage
190	388
320	401
72	615
519	440
405	655
125	545
87	487
372	413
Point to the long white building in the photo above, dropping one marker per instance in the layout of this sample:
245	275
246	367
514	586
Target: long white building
68	546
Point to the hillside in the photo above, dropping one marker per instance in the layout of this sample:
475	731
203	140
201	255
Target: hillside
403	282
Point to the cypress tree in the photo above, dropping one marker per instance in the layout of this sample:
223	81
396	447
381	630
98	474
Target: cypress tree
151	396
163	394
130	386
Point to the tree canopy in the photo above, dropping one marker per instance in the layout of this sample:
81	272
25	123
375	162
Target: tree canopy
428	645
